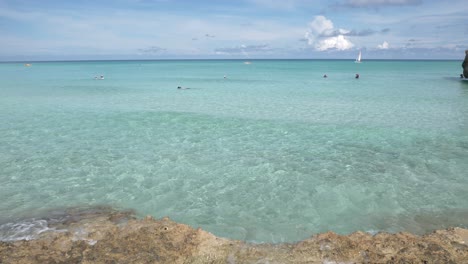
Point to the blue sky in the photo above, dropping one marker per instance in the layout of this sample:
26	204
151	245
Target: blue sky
236	29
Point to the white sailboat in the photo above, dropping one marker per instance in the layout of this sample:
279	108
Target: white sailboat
358	59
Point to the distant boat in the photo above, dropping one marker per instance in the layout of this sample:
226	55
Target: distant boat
247	62
358	59
27	64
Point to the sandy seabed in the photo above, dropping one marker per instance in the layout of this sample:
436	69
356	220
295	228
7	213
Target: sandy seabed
109	236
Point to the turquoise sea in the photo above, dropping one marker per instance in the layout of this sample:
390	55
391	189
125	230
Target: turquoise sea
273	152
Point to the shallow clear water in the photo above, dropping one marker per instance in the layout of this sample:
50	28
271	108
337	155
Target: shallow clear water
274	152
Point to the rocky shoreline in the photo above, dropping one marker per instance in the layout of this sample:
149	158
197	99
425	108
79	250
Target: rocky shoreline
118	237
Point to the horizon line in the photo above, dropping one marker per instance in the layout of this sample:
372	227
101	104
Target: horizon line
257	59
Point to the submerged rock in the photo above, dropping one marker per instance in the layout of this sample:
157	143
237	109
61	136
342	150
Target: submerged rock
106	238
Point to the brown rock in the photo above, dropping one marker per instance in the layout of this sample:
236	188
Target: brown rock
106	238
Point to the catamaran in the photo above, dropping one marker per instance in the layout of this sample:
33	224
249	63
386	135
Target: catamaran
358	59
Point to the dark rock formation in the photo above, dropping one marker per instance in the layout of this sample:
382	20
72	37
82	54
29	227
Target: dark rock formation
465	65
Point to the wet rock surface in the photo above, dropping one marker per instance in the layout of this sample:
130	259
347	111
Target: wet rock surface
117	237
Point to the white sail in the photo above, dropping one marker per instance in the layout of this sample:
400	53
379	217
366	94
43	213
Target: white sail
358	60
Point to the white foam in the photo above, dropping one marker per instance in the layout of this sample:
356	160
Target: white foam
23	230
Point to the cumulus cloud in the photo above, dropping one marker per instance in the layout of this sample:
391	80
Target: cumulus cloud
384	45
320	26
323	36
338	42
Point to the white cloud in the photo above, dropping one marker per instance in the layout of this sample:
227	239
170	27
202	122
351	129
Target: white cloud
339	42
384	45
322	35
321	25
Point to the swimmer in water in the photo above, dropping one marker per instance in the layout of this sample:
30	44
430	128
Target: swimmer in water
357	76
